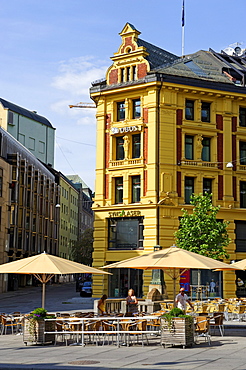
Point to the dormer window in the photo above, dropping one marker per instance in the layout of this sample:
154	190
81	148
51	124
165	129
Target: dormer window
122	74
128	73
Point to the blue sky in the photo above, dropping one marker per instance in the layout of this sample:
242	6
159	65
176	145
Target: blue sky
51	50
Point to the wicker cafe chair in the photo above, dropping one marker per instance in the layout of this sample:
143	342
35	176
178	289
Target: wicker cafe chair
135	330
62	329
238	312
217	322
8	322
202	329
94	326
154	324
109	337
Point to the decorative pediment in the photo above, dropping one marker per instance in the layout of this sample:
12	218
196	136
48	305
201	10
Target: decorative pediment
129	55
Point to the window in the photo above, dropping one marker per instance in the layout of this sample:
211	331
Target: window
242	149
125	233
41	147
121	279
240	236
1	183
206	149
136	108
31	143
121	111
189	147
189	188
118	190
10	118
242	117
242	194
136	146
136	189
128	74
122	74
189	109
22	139
207	186
134	73
205	114
119	148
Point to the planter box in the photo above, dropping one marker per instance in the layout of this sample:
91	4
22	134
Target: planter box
181	332
35	333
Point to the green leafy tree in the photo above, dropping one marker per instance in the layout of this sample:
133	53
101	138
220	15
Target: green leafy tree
83	249
200	232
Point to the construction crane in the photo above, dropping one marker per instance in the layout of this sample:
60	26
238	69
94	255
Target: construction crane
83	105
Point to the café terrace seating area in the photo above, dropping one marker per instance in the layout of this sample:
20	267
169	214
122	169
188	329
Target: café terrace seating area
124	329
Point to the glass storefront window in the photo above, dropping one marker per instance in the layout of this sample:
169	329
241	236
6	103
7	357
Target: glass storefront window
125	233
210	282
124	279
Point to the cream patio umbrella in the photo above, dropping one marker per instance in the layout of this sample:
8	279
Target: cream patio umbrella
240	264
44	266
174	261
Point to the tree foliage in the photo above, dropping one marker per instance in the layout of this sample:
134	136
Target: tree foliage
83	249
200	232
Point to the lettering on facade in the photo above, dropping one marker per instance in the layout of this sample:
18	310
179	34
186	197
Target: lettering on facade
124	214
121	130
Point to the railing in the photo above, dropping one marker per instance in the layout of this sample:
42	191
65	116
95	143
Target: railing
241	167
119	306
79	327
199	163
126	162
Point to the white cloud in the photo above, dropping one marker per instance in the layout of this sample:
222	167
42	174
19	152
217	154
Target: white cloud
88	118
61	107
75	75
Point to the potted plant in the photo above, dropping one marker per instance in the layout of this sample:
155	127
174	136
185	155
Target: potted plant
35	326
177	328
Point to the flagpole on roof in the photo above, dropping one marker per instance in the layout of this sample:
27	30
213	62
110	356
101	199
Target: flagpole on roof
183	25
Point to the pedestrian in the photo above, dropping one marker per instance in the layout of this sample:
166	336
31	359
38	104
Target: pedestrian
131	302
240	282
181	300
212	286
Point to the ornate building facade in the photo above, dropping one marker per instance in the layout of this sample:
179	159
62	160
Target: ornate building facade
167	127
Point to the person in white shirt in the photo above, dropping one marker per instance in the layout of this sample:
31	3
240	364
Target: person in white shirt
181	300
240	282
212	286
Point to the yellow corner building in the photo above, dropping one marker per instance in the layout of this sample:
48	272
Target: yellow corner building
167	127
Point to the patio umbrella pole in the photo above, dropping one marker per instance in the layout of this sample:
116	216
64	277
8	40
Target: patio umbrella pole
43	295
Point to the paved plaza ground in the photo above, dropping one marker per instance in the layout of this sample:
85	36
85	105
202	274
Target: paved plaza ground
227	353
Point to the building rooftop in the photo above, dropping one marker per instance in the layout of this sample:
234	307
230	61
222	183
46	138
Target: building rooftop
208	65
25	112
157	56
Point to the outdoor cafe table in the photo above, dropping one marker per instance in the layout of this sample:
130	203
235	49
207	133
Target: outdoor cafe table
116	320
